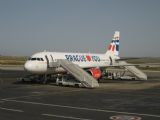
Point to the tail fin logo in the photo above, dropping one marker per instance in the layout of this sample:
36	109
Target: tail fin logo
114	45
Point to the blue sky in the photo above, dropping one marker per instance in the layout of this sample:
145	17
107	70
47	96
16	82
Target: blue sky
29	26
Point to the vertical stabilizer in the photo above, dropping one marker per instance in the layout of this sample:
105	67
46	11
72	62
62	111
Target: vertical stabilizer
113	48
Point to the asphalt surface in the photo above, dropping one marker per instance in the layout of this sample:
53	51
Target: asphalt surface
34	101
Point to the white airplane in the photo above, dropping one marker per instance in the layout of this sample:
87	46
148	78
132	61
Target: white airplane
39	62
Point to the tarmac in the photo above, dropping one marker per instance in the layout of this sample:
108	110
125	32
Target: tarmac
113	100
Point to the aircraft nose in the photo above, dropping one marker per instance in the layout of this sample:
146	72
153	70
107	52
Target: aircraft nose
28	66
34	67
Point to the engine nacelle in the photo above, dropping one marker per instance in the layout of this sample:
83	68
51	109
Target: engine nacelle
95	72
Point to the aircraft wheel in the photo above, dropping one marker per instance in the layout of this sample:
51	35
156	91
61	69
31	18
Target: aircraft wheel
76	85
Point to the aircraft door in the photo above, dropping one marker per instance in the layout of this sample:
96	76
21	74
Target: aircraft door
53	59
47	59
111	60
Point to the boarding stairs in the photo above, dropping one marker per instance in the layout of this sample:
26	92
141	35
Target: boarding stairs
81	75
138	73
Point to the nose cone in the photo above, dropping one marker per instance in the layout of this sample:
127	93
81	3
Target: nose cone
35	67
28	66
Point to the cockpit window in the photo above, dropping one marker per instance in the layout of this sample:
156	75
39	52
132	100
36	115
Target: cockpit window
42	59
34	59
38	59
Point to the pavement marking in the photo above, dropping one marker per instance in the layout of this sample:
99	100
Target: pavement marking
41	94
125	117
66	117
82	108
14	110
37	92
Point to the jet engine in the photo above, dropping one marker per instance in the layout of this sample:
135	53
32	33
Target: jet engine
95	72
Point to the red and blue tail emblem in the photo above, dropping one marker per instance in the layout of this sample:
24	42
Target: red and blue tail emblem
113	47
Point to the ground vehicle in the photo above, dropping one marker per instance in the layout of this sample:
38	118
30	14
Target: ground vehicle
31	78
116	76
67	80
127	78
